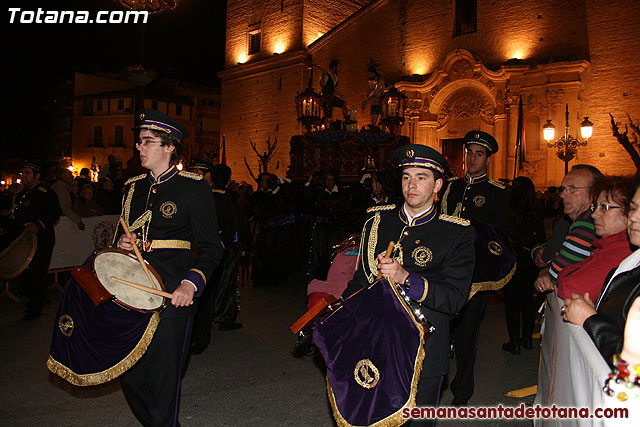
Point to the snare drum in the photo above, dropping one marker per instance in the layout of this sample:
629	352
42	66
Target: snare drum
124	265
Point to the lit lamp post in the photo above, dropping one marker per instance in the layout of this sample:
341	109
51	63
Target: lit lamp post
567	145
393	106
309	102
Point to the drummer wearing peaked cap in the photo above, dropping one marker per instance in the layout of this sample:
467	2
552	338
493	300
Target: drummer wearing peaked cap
475	197
169	210
433	256
38	210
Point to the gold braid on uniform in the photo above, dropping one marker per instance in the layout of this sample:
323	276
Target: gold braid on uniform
191	175
143	219
497	184
114	371
445	197
454	219
372	242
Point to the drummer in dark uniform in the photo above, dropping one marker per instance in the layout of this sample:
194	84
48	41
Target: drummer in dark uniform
475	197
433	256
37	209
170	211
226	208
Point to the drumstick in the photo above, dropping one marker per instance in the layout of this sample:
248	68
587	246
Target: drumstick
387	254
125	227
144	288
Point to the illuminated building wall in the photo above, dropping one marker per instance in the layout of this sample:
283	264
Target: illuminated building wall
576	52
103	117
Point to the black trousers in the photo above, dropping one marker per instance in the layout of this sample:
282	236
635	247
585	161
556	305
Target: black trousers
33	279
429	389
152	386
465	340
518	303
225	301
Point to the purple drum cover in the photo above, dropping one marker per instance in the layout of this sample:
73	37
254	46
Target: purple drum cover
374	350
92	345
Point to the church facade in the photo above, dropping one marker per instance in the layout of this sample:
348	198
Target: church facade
463	65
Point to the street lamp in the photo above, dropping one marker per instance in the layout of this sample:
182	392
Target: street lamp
309	102
567	145
393	106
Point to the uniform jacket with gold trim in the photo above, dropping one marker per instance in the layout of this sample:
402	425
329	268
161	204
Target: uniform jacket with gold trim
438	252
39	206
478	198
177	208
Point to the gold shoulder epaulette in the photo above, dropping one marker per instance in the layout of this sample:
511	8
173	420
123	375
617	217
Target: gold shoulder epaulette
41	188
381	208
453	178
497	184
454	219
217	190
135	178
191	175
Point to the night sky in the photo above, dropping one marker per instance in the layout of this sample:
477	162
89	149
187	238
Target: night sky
186	43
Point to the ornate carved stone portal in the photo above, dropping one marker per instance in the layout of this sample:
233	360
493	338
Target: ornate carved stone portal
464	104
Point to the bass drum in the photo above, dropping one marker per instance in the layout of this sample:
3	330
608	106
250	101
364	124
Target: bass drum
112	262
18	245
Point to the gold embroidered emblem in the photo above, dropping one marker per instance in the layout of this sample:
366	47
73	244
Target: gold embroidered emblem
479	201
366	374
494	247
422	255
168	209
141	116
409	153
65	323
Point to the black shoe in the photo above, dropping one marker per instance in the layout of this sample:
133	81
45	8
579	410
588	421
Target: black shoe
229	326
197	348
459	402
527	344
511	348
30	315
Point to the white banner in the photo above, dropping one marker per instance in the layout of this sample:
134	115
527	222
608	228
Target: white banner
572	372
73	246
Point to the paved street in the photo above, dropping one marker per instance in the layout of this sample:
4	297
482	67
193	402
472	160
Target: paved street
247	377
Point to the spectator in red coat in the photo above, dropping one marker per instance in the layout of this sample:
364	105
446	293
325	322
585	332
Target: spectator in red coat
609	212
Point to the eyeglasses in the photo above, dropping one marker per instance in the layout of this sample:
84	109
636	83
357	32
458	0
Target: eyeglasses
569	189
145	143
603	207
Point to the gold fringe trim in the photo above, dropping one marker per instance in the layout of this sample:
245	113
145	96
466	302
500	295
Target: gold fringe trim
111	373
396	419
493	285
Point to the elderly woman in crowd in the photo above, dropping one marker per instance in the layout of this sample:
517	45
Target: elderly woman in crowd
84	205
609	209
604	321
